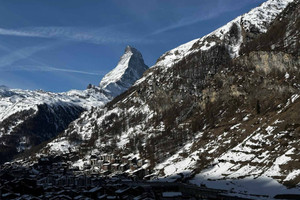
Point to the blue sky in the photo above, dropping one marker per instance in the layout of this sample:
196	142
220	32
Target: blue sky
58	45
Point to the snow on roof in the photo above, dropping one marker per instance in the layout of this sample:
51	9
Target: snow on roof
95	189
171	194
119	191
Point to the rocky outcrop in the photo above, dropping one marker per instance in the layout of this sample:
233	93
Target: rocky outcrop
283	35
129	69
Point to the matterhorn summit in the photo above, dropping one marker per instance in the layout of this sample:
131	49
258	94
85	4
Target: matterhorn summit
129	69
28	118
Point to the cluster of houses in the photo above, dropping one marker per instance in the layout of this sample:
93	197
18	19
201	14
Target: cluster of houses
55	178
111	164
108	164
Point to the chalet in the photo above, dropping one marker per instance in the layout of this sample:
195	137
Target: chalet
132	160
140	173
133	167
103	157
112	160
140	163
117	159
95	192
123	167
123	191
106	166
115	167
111	197
172	195
150	177
87	165
102	196
105	172
106	157
94	172
80	197
125	159
94	160
84	149
10	195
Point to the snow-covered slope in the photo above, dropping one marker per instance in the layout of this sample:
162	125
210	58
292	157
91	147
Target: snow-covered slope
207	112
224	42
15	100
130	68
233	34
28	118
20	108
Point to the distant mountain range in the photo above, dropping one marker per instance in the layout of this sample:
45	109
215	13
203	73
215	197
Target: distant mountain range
28	118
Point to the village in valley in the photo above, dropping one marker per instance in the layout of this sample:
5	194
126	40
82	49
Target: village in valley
102	176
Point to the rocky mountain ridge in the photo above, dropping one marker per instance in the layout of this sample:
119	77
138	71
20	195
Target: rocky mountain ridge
28	118
129	69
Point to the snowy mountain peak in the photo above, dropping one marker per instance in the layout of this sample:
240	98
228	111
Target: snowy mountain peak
261	17
233	34
131	49
129	69
20	110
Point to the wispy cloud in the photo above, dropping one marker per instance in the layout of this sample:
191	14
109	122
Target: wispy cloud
44	68
185	22
103	35
8	62
21	54
219	9
101	73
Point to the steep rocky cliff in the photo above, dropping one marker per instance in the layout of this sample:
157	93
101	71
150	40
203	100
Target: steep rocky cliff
130	68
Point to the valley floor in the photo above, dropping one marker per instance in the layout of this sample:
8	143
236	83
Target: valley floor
52	178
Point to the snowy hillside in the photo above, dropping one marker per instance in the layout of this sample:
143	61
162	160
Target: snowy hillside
20	109
230	36
252	23
16	100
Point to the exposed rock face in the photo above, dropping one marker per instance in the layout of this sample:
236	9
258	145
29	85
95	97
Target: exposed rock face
283	35
129	69
271	61
216	108
28	118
